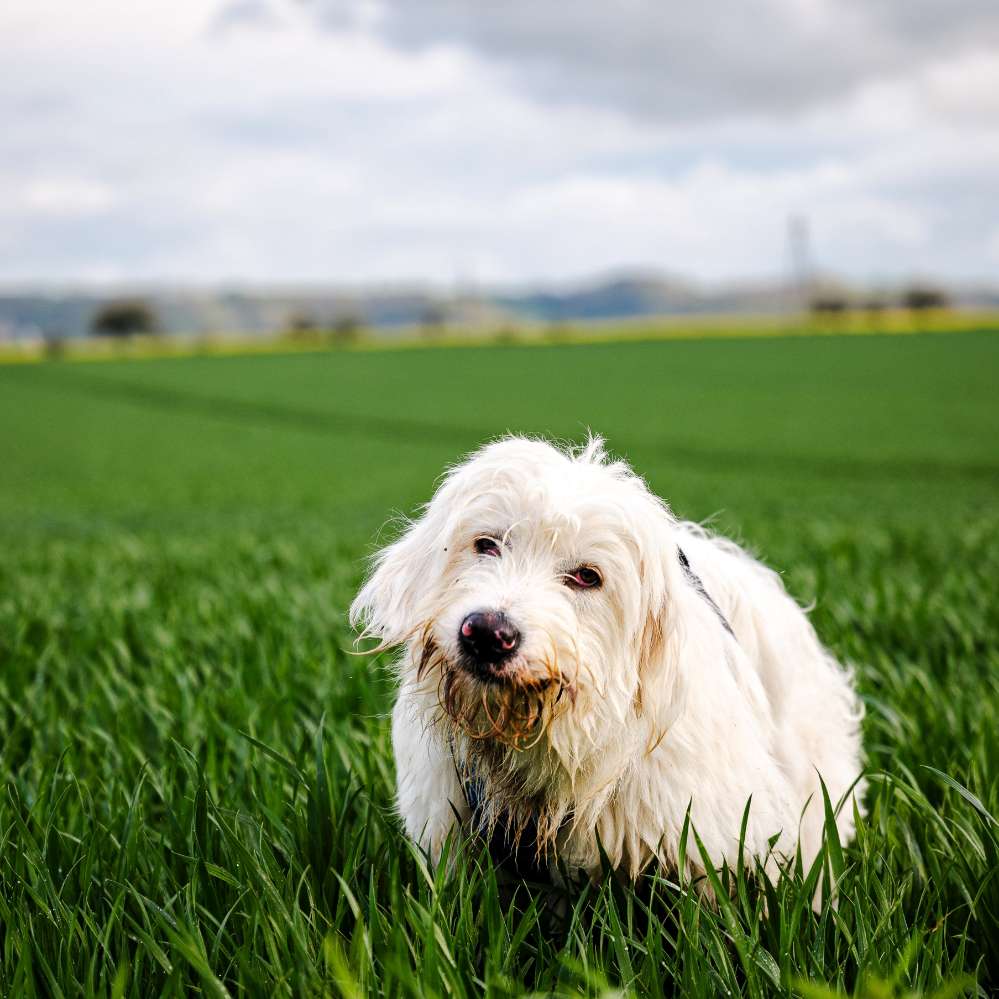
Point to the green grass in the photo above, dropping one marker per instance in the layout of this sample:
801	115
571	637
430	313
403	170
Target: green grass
197	777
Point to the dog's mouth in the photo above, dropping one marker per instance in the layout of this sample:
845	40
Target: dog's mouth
511	672
515	712
512	703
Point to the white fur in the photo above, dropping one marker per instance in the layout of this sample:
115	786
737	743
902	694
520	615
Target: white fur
655	706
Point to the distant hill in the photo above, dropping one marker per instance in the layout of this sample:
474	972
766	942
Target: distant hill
615	298
51	313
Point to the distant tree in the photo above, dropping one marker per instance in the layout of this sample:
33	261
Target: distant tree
433	319
920	297
828	303
54	344
346	328
301	322
124	317
506	335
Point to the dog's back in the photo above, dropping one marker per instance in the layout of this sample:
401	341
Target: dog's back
815	709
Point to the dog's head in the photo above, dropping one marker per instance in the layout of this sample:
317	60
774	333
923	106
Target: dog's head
537	595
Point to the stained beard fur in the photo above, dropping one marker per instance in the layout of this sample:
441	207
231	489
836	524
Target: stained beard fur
490	728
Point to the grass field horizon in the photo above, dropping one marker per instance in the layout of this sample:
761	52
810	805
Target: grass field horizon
198	781
525	333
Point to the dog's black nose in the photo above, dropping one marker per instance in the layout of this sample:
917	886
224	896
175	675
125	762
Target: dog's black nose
488	636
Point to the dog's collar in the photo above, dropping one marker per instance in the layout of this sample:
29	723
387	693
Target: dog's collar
698	585
522	858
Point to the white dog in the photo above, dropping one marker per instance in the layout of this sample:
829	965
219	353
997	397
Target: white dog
580	667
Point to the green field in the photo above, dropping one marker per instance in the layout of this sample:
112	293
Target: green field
197	777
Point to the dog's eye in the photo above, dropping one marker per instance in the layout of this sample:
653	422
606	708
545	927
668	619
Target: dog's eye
583	578
486	546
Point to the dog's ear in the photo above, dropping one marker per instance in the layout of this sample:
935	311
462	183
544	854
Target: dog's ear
660	680
388	605
661	687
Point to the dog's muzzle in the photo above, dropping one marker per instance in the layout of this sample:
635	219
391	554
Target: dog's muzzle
487	639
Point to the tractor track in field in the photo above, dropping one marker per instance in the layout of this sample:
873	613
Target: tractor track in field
264	414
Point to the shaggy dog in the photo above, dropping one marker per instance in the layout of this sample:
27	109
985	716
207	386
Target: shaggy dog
579	668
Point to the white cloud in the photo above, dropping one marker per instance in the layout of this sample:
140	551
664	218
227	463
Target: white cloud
966	88
270	151
686	61
992	246
63	197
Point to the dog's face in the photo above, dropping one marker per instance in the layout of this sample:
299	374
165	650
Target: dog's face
533	595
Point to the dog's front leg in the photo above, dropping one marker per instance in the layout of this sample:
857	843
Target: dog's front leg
428	793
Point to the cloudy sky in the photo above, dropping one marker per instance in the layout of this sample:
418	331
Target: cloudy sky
532	140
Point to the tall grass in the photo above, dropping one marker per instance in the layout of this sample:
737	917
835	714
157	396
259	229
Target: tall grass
199	794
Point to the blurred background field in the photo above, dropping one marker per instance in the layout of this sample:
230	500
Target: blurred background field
881	426
300	335
197	772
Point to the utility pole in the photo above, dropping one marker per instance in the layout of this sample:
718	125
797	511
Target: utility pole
799	254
